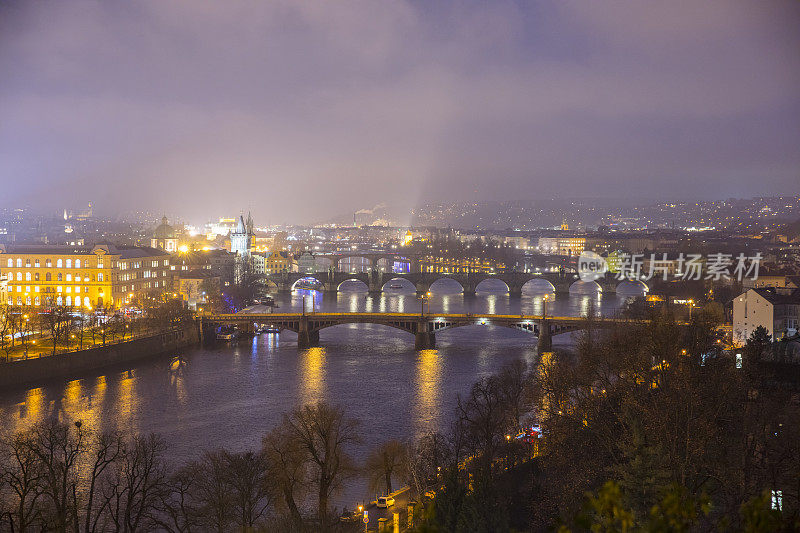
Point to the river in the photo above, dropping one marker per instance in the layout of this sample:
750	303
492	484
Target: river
230	395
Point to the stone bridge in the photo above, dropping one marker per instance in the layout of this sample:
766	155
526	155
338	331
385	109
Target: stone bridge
423	326
376	281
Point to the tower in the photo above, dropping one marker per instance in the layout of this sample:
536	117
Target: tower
241	240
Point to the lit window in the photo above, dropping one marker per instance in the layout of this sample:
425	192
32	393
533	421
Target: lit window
19	262
36	264
19	276
77	263
69	277
27	276
59	263
10	263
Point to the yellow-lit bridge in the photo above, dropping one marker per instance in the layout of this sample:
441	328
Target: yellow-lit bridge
422	326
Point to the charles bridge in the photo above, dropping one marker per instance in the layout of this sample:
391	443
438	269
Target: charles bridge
376	280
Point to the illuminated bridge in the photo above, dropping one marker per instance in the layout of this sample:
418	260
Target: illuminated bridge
422	326
376	281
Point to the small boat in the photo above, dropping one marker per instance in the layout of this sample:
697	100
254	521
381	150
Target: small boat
227	333
396	286
267	328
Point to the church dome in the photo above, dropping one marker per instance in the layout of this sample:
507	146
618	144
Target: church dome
164	230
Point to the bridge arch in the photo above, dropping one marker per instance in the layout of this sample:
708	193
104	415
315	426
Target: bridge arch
486	285
357	285
307	280
401	285
634	287
538	286
270	286
585	287
443	283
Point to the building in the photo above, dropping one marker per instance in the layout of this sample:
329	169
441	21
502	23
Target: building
307	263
196	286
278	262
165	238
103	275
777	310
777	281
562	245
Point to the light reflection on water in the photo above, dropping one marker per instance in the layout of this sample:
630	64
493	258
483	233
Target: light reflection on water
231	395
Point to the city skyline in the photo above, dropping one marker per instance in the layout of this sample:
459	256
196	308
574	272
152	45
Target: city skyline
311	111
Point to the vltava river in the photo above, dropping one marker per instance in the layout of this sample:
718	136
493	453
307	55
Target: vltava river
230	395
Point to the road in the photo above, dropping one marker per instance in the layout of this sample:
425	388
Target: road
401	500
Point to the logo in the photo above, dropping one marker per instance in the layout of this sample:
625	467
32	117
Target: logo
591	266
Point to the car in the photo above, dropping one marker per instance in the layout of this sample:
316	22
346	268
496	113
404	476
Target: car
385	502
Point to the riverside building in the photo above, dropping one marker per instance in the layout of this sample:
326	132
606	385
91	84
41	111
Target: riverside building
87	277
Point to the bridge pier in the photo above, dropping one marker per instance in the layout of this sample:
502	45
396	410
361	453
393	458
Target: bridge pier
305	337
545	343
424	340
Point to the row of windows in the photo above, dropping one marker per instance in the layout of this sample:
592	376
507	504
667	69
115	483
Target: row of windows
60	263
139	275
36	288
147	285
48	277
123	265
68	301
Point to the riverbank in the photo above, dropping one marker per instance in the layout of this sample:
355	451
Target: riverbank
26	373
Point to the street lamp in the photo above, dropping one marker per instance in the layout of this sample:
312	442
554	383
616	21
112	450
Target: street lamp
422	299
691	304
544	303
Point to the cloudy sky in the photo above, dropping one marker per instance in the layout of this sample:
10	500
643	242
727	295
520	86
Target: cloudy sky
303	110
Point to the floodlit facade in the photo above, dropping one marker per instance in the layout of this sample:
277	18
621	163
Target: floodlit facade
103	276
777	311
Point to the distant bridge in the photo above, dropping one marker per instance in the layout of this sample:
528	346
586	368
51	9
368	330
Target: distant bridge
375	280
422	326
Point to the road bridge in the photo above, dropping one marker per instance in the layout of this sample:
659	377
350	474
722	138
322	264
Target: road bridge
423	326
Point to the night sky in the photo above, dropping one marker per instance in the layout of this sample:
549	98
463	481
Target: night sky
301	110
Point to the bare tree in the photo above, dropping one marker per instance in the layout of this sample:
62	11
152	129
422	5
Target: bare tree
21	472
133	493
250	488
287	467
325	433
383	462
106	451
58	449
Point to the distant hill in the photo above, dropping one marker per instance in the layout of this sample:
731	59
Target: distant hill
792	231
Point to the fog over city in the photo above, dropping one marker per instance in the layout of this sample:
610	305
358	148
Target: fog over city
301	111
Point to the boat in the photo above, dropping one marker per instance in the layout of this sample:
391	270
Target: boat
267	328
396	286
227	333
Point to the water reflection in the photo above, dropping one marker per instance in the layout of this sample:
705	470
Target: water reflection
127	405
312	380
427	404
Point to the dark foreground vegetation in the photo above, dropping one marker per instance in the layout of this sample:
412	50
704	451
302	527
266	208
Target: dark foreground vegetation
650	427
